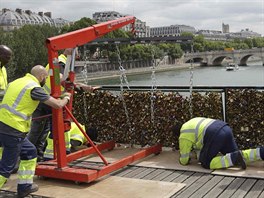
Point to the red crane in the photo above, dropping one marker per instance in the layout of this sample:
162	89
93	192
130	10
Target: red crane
59	168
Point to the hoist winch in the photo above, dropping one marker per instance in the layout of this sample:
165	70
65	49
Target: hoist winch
60	167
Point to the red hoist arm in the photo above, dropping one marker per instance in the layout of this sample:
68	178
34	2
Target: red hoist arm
72	40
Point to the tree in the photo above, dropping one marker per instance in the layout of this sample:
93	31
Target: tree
28	46
82	23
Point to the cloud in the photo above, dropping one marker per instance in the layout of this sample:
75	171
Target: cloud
202	14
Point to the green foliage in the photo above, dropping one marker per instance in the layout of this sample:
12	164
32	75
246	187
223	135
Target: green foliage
82	23
28	46
258	42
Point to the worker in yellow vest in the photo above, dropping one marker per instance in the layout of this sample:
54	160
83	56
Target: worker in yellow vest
20	101
41	124
208	138
76	139
5	56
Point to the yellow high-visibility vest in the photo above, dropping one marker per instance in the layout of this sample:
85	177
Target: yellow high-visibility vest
17	106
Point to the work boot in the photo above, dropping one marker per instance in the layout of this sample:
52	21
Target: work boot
34	188
239	160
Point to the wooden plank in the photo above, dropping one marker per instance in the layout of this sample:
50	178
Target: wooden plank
144	173
127	170
170	160
231	189
173	176
220	187
194	187
261	195
183	177
153	174
163	175
244	188
135	172
201	192
254	170
189	181
256	190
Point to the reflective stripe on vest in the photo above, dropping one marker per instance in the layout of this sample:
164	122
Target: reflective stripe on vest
17	106
16	102
195	131
77	137
76	134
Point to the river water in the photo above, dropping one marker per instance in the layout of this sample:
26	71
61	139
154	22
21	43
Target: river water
251	75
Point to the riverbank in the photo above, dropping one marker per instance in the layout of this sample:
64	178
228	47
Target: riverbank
135	71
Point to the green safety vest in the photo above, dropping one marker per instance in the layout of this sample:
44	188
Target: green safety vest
191	137
76	134
73	134
3	78
3	82
17	106
47	86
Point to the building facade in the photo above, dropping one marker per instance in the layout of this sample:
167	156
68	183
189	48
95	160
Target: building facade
245	34
11	20
213	35
173	30
141	30
225	28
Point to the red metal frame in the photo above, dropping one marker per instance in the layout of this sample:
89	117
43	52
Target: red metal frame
59	168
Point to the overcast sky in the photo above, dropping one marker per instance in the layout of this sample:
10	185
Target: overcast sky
202	14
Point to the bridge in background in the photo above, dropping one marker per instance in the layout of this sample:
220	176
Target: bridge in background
214	58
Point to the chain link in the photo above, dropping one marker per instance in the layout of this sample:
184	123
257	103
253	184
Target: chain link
191	85
123	80
85	77
153	87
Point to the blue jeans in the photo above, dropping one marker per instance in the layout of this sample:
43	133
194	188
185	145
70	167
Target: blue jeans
13	148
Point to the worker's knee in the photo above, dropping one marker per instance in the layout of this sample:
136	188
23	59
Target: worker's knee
29	152
75	143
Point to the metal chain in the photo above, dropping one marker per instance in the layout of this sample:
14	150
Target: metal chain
121	68
85	77
85	71
191	85
153	87
123	80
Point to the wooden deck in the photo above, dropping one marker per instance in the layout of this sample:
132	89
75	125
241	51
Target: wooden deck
199	184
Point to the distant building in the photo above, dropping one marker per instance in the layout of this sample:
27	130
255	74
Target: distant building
172	30
225	28
223	36
140	27
246	34
11	20
213	35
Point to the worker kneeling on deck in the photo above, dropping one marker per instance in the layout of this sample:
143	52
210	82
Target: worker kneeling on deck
77	139
20	101
209	137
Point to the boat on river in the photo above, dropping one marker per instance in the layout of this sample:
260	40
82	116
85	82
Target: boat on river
232	67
